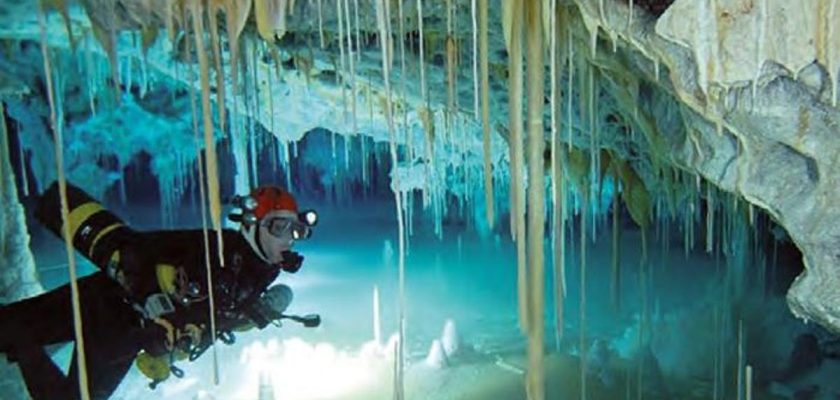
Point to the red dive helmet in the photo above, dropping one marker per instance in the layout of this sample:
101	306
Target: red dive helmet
272	199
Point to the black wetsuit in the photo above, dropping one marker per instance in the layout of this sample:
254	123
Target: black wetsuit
115	328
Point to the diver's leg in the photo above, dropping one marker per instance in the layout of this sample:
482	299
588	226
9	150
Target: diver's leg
36	321
43	378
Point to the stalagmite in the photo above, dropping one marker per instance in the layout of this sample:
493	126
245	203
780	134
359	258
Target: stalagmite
485	113
582	320
210	152
749	379
516	154
56	123
536	202
377	326
382	18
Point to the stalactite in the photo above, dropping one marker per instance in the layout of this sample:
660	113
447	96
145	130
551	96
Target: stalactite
382	18
343	64
321	25
363	161
217	59
403	91
422	64
557	186
615	281
252	157
210	152
358	36
516	155
351	59
56	124
759	47
630	16
570	73
485	112
536	202
710	218
286	153
833	58
451	60
591	98
474	21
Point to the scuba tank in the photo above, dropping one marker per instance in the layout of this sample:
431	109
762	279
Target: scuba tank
96	233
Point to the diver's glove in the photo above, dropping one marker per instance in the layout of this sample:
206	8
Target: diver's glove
291	261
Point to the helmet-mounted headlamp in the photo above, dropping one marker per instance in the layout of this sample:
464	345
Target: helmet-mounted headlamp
248	205
309	217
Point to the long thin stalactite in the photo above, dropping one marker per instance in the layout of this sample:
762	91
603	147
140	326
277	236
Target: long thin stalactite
56	125
536	202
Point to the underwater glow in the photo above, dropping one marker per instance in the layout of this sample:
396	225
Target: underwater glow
297	369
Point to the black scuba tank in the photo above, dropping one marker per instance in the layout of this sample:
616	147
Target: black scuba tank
96	233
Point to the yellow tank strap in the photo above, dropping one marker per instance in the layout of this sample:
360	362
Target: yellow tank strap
80	214
167	277
100	235
154	368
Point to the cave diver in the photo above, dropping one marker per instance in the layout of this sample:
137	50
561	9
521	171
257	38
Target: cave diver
148	303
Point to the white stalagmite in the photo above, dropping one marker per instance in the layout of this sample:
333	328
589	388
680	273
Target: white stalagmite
437	356
450	339
516	178
212	176
489	204
749	379
536	202
377	325
382	19
584	209
57	124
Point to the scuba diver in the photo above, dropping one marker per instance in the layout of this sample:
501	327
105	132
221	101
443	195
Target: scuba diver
149	302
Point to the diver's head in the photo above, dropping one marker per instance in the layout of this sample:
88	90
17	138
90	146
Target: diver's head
272	223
